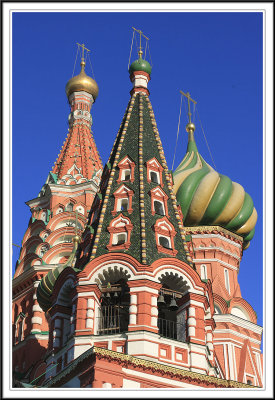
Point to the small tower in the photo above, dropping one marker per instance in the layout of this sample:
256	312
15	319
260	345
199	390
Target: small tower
48	242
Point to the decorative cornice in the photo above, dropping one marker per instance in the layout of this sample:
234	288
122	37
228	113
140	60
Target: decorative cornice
233	319
154	367
210	229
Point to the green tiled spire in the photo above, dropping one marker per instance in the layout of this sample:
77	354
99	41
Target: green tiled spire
138	139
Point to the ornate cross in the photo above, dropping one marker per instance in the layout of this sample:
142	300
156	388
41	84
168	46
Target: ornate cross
83	47
188	99
140	34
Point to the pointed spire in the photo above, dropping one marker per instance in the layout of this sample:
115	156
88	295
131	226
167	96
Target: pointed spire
147	225
79	160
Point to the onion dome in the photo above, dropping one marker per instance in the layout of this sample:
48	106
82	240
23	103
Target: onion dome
82	82
209	198
140	65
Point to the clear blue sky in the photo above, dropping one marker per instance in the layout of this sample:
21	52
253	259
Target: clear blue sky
215	56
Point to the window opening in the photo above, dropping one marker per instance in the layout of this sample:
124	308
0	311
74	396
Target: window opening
127	175
158	206
114	311
164	242
124	205
154	177
226	276
120	239
70	207
203	272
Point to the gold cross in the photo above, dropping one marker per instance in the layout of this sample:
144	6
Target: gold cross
140	33
83	47
189	99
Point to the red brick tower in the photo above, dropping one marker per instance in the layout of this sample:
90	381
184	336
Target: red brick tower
59	210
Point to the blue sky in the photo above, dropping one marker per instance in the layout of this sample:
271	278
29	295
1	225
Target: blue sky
217	57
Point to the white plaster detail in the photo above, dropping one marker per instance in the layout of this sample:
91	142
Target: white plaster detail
36	307
191	331
36	320
127	383
199	260
91	303
238	321
133	309
107	385
154	311
132	319
89	323
191	312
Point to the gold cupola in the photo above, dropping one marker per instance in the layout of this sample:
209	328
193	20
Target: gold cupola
82	82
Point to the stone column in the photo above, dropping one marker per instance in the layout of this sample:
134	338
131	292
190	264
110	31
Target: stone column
143	305
37	312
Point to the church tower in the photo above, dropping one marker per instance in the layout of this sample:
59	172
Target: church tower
220	218
58	212
136	286
133	292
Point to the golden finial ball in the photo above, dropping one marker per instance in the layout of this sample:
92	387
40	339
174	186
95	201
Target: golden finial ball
190	127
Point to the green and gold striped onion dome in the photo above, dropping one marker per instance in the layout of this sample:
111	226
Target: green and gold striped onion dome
209	198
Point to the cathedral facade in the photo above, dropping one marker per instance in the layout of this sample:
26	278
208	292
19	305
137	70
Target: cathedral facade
128	272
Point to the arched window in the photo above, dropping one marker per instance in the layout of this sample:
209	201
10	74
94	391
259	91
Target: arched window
159	207
122	204
226	278
80	209
120	233
203	272
114	312
217	309
126	175
154	171
165	233
123	199
70	207
119	238
164	242
154	176
19	327
126	170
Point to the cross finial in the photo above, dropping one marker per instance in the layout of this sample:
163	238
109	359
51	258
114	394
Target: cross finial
83	48
140	34
188	99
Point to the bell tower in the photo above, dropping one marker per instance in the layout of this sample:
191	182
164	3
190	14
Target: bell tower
68	192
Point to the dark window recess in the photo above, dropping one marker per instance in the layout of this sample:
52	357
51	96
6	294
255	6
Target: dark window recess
249	381
124	205
159	209
154	177
127	175
164	242
121	239
69	207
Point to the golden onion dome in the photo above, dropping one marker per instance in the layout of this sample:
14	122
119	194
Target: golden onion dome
209	198
82	82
